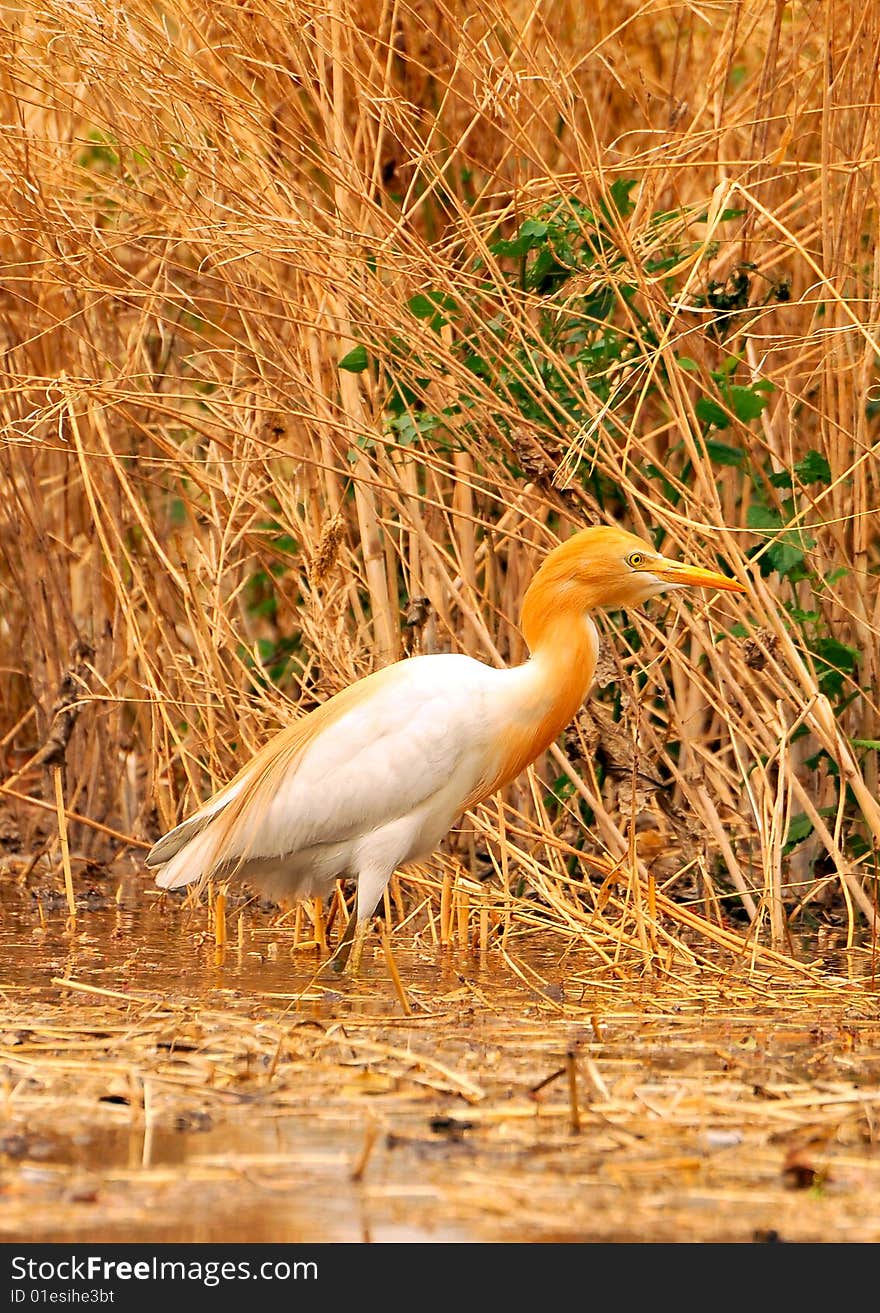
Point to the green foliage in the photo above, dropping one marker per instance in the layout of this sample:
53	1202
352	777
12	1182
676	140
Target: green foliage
800	827
585	344
101	153
836	664
583	337
356	361
274	650
786	548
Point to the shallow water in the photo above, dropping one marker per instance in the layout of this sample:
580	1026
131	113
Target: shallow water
156	1088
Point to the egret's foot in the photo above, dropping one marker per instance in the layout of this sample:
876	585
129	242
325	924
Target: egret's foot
357	950
340	958
351	946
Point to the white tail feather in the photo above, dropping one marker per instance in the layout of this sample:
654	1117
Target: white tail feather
191	862
174	841
171	843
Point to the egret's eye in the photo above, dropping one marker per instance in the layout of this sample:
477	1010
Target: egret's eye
635	559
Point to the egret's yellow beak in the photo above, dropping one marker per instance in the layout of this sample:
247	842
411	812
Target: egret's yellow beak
693	576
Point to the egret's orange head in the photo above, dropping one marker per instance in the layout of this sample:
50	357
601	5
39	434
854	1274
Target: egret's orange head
607	567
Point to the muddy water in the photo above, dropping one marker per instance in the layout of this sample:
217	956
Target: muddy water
157	1089
60	1152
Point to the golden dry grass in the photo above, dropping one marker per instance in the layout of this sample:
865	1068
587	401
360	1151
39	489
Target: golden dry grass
206	525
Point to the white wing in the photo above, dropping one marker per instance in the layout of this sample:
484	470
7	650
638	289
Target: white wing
416	730
381	759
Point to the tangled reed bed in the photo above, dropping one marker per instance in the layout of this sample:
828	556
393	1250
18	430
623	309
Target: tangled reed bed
288	392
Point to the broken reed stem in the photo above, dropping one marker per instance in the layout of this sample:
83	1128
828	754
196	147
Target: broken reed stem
446	910
463	912
371	1135
220	918
340	911
505	871
634	867
147	1148
395	974
65	847
320	927
574	1116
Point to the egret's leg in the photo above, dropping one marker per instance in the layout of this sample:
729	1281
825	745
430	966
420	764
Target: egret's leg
370	886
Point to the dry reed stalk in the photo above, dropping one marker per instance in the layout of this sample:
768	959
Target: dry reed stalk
395	975
447	894
58	780
320	925
126	839
371	1136
574	1115
462	917
220	930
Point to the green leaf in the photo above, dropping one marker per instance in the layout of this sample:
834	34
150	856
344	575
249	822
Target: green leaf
787	551
533	230
800	827
561	788
710	412
722	218
620	191
409	430
505	247
804	617
364	443
428	305
421	306
356	361
814	468
746	403
531	233
784	556
838	661
722	454
760	516
478	365
837	654
857	845
685	362
546	273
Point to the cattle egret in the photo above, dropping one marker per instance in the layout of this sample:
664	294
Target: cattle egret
375	777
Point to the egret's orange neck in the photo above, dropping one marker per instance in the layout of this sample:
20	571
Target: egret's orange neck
556	606
562	640
553	683
563	643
